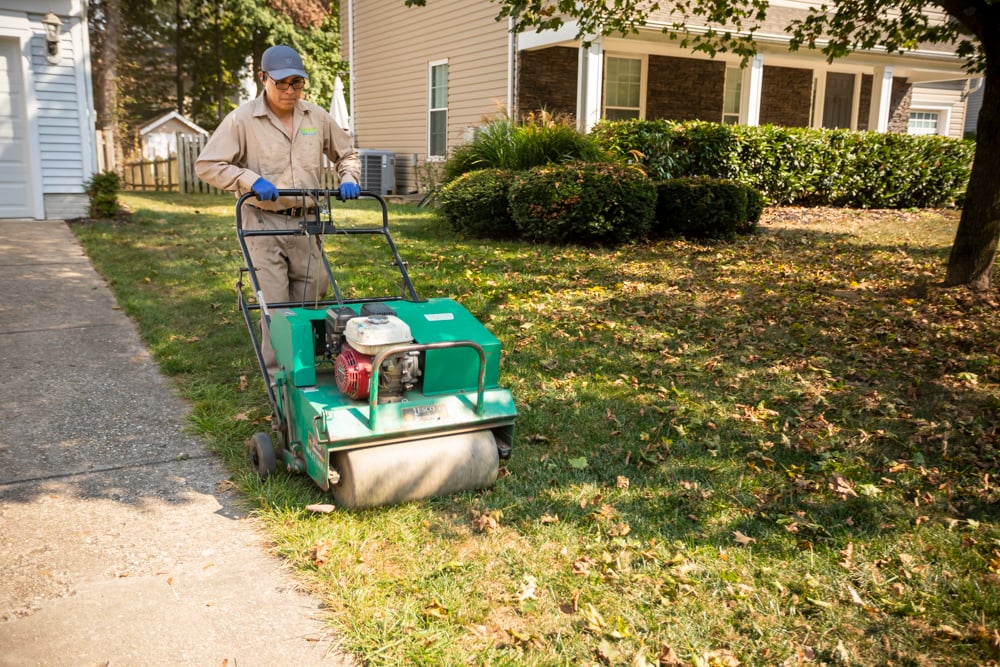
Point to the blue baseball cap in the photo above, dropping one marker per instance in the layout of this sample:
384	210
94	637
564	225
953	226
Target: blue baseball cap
281	62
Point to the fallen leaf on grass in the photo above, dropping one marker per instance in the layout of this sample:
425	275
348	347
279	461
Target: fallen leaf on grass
436	610
320	508
718	658
582	566
607	653
592	619
668	658
549	518
947	632
843	654
842	487
321	552
487	522
521	638
848	553
619	529
527	591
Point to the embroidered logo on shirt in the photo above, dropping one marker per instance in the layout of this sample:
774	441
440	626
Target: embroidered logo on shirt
308	130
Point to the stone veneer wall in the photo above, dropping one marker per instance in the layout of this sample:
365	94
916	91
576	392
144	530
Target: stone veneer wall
899	104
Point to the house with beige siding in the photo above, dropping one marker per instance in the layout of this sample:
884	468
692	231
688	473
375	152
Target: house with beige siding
423	78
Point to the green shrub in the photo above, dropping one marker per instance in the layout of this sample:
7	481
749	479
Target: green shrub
801	165
505	143
704	207
103	188
476	204
585	203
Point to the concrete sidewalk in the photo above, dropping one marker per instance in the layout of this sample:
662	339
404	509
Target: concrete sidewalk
120	542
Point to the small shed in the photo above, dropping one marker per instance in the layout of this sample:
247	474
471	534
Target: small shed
158	137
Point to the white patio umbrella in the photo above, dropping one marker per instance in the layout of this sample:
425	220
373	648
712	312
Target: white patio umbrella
338	105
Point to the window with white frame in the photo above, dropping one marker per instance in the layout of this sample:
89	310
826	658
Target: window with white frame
732	96
924	122
622	88
437	115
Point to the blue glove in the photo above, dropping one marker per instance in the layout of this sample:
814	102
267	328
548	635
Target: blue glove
349	191
264	189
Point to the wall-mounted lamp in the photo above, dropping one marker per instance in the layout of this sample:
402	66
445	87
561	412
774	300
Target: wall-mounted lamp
53	25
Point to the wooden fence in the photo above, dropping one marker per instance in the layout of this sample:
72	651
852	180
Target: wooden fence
188	147
176	173
158	175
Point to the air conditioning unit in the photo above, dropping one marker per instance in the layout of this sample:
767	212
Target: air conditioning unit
378	171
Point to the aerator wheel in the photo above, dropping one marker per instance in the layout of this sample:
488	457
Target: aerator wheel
262	455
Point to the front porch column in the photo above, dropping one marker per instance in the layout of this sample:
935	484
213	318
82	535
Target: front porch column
878	115
590	79
755	83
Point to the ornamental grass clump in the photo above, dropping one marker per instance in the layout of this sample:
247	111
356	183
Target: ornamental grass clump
537	139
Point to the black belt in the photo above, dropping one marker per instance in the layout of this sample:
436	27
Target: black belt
294	212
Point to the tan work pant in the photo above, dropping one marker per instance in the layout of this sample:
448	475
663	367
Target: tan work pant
289	268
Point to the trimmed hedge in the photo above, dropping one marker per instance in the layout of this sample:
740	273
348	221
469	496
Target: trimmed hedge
705	207
475	204
801	165
585	203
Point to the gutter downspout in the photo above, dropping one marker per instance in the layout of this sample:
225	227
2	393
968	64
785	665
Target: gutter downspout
511	64
89	87
350	61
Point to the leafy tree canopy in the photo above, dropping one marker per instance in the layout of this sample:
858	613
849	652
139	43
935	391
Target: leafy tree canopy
194	55
835	29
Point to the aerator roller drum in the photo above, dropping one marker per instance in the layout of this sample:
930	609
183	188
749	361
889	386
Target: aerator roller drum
378	398
415	469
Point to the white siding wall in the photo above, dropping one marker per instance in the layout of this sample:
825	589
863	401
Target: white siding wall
947	99
59	127
393	45
975	103
60	133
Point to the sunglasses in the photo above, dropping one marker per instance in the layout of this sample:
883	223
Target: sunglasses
294	84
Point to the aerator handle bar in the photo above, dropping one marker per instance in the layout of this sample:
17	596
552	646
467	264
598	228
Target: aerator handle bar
319	223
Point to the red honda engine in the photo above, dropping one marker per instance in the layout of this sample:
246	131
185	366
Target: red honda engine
354	372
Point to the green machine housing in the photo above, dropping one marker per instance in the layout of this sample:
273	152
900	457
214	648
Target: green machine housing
453	394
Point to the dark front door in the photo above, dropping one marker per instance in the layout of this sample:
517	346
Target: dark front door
839	100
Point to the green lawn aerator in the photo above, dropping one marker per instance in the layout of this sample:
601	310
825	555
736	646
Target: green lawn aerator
380	398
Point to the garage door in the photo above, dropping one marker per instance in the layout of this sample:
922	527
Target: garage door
15	190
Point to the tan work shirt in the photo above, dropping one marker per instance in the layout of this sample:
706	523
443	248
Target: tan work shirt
251	142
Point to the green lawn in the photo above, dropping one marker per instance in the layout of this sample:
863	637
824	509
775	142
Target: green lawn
780	450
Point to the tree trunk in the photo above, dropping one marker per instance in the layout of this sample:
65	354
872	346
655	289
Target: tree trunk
178	58
975	247
108	120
